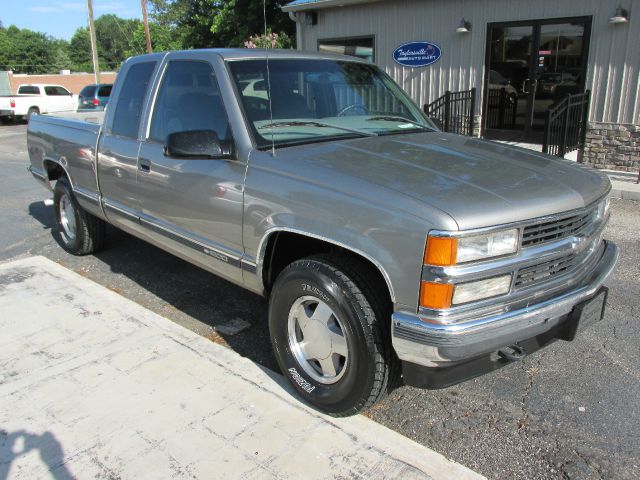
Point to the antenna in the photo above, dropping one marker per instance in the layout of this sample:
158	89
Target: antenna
266	54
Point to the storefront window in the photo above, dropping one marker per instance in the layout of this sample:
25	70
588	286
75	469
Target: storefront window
361	47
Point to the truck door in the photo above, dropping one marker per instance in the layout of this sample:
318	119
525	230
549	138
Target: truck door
119	145
192	206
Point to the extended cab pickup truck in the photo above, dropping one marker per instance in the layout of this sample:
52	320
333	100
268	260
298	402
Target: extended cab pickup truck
385	247
37	98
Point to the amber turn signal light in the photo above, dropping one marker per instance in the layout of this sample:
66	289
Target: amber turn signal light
441	251
435	295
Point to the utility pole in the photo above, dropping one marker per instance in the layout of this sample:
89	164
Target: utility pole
145	20
92	34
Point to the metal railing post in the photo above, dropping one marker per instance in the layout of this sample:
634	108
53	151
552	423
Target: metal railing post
472	111
501	102
585	121
447	110
547	131
565	125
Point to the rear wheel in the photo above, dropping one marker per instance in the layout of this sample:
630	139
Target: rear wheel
32	111
329	330
79	232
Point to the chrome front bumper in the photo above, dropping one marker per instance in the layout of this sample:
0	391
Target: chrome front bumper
428	344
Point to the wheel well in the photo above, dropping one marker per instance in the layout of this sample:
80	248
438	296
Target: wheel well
54	170
284	248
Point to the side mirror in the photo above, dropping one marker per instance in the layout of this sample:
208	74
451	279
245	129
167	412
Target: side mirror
198	144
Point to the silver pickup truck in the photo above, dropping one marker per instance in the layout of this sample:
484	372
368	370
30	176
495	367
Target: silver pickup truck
385	246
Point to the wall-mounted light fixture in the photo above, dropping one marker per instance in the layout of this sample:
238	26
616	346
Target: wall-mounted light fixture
464	27
621	16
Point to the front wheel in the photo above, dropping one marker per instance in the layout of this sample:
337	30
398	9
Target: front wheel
79	232
329	330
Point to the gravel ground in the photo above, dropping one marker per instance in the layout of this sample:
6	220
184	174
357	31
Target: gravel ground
569	411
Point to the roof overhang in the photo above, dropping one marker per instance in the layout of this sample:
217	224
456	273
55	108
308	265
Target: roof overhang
302	5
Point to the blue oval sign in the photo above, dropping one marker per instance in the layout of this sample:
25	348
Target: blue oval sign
417	54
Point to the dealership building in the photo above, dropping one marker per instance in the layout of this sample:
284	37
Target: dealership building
520	58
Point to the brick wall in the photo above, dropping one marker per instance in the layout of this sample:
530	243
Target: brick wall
613	146
73	82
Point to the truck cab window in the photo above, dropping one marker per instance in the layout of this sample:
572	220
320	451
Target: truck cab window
29	90
56	91
188	99
126	119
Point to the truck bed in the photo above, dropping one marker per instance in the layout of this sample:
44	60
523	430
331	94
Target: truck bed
70	140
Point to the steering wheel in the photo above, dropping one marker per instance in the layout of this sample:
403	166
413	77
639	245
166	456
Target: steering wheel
355	107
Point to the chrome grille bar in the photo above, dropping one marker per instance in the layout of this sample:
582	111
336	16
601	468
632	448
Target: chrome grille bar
538	273
554	230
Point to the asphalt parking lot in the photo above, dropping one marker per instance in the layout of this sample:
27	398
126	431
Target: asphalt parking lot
569	411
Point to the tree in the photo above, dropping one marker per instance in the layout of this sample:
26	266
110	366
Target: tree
163	39
114	36
210	23
80	50
238	20
189	20
29	51
4	48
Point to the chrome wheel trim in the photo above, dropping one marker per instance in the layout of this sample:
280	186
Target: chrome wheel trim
317	340
67	217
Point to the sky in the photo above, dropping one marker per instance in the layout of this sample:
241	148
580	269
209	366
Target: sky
61	18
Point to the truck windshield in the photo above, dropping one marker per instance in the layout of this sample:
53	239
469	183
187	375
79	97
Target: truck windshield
306	101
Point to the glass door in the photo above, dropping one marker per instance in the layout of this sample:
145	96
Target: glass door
531	66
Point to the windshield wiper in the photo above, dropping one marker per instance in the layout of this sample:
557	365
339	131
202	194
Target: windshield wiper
302	123
398	118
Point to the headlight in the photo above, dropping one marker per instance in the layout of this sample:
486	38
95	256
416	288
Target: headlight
445	251
487	245
481	289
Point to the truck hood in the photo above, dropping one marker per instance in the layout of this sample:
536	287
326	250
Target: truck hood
477	182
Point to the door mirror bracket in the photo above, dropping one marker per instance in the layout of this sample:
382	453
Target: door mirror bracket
198	144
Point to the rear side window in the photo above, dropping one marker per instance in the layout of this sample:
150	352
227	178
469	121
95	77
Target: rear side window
88	91
104	91
29	90
55	91
126	118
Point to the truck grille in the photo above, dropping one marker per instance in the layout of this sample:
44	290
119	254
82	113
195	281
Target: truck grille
556	229
538	273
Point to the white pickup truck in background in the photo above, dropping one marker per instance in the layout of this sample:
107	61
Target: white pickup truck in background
37	98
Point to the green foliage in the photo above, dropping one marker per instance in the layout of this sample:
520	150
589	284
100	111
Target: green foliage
27	51
162	40
189	20
174	25
270	40
219	24
238	20
114	36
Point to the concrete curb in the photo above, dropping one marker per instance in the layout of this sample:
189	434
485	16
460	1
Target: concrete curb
76	350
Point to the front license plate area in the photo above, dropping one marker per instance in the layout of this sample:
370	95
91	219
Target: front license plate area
585	314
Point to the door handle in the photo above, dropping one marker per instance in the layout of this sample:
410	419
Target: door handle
524	85
144	166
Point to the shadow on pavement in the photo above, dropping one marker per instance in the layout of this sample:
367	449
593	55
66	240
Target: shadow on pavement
176	289
15	444
42	214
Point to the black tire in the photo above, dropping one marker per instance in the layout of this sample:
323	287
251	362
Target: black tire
344	284
77	231
30	112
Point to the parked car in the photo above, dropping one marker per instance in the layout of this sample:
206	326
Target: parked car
36	99
95	96
549	81
384	246
498	82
